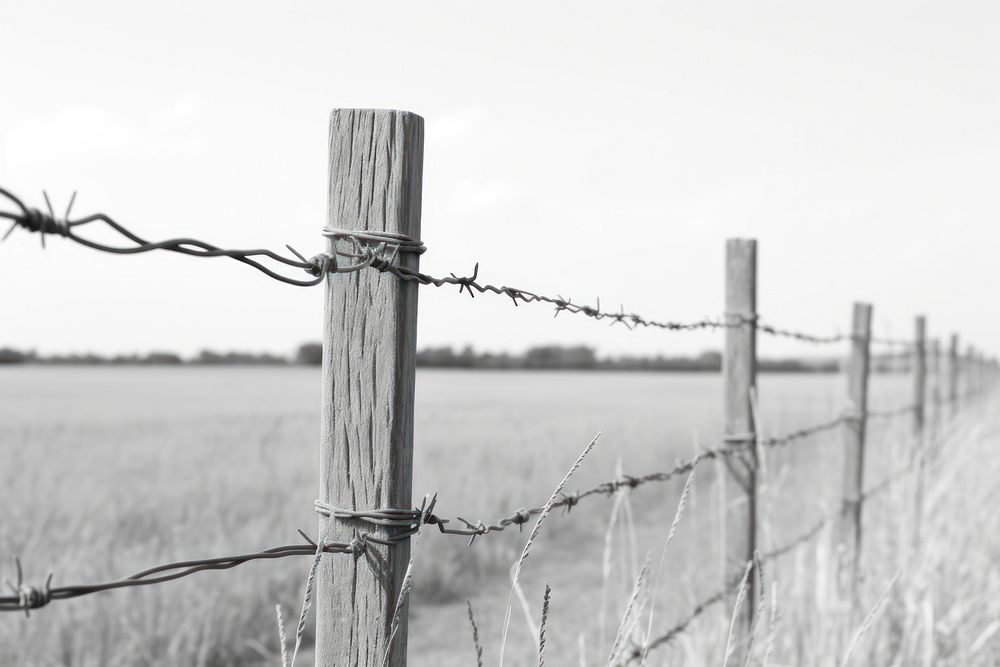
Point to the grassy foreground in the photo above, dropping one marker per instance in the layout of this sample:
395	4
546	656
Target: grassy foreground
136	472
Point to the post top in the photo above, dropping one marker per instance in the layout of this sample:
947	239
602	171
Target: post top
374	112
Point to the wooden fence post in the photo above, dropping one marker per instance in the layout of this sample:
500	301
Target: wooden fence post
369	350
980	379
970	371
919	374
937	393
919	418
858	367
953	374
739	369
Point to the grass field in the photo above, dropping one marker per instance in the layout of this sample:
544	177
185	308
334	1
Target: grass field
107	471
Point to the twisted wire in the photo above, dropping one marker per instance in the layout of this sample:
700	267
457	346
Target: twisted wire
409	521
608	488
892	412
815	530
681	626
42	223
889	480
26	597
804	433
374	249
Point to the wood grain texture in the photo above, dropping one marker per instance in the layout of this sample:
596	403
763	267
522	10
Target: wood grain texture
739	369
369	353
858	368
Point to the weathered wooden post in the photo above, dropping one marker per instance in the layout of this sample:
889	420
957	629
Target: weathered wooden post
739	369
858	366
369	349
919	418
937	392
953	374
978	372
968	389
919	374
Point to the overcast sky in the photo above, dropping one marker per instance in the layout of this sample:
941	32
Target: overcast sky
580	148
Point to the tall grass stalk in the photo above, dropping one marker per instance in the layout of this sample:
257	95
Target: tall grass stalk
533	628
681	504
475	635
541	627
741	595
607	554
630	618
404	595
281	636
869	620
546	510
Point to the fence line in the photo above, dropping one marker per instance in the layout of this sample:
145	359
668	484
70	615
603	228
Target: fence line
825	521
379	251
28	597
370	333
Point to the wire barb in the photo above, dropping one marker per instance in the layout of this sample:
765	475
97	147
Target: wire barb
33	597
42	223
368	249
29	597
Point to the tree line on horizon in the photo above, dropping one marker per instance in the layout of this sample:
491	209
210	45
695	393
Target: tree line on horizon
541	357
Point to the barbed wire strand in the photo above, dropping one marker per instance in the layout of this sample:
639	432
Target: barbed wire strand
43	223
377	250
409	521
26	598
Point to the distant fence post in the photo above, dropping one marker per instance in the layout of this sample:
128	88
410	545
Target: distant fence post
937	395
919	374
369	351
739	369
919	417
953	374
980	379
970	371
858	368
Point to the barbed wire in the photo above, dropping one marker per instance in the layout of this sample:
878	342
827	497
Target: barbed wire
409	521
892	412
27	597
42	223
804	433
815	530
681	626
377	250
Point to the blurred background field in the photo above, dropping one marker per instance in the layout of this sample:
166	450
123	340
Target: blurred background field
106	471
